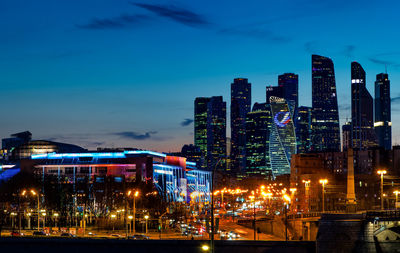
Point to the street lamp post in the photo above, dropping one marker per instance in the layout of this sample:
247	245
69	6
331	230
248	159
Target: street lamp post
307	192
382	172
212	205
146	217
287	202
323	182
113	216
253	198
34	193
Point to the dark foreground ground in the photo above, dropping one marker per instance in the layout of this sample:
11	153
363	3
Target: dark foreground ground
60	245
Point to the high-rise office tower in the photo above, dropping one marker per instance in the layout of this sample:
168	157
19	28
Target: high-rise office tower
210	130
303	129
200	127
383	121
216	133
325	114
258	128
362	110
274	91
290	83
346	136
282	137
240	106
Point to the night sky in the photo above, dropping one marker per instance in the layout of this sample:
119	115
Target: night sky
116	73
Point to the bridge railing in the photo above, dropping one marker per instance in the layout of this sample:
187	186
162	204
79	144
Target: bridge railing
384	214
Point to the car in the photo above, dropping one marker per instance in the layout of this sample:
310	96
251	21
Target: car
140	237
67	235
39	233
115	236
16	234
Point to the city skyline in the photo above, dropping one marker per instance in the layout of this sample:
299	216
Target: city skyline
80	72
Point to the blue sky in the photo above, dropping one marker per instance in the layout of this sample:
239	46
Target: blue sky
116	73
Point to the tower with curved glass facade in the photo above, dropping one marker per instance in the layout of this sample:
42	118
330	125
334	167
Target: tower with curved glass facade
282	136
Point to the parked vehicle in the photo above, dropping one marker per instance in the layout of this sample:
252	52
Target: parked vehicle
16	234
39	233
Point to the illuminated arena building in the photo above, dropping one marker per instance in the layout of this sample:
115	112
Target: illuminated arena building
102	174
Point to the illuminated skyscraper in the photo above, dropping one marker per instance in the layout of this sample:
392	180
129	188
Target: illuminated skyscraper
325	114
290	83
362	110
346	133
240	106
200	126
274	91
216	133
258	130
383	121
210	130
303	129
282	137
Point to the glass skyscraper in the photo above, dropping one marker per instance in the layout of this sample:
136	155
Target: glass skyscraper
200	126
383	121
216	133
362	110
240	106
290	83
210	130
325	114
303	129
258	130
282	137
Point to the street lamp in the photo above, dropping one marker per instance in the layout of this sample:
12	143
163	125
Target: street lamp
253	198
34	193
396	192
307	192
130	217
286	198
113	216
55	215
323	182
146	217
382	172
135	195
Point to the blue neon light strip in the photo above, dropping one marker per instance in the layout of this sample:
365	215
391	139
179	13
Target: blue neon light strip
144	152
190	164
97	155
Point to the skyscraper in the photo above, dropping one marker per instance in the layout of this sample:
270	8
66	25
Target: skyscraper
303	129
274	91
383	121
362	110
200	126
282	137
290	83
210	130
240	106
325	114
258	128
346	133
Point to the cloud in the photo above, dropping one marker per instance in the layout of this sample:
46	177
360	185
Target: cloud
382	59
379	61
135	135
113	23
256	33
186	122
174	13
